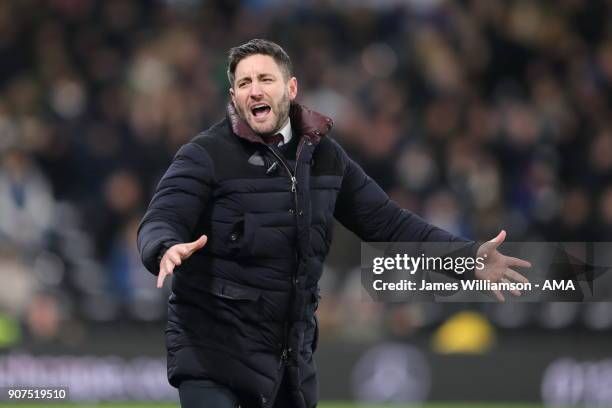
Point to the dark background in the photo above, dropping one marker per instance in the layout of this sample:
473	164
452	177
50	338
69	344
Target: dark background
477	115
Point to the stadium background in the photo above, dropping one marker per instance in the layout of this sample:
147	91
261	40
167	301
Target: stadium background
475	114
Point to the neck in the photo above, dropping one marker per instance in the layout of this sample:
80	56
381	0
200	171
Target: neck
274	132
306	122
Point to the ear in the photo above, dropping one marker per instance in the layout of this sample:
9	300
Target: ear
231	91
293	88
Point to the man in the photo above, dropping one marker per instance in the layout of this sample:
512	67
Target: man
242	219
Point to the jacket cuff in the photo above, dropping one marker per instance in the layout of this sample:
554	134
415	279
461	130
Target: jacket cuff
161	252
153	255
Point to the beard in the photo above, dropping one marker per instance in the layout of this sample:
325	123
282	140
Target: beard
280	109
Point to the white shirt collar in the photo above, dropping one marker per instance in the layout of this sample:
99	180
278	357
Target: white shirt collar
286	132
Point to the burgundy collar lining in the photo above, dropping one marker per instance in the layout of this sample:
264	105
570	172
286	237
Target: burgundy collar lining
306	122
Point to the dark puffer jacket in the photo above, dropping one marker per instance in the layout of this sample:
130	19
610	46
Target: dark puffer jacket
242	309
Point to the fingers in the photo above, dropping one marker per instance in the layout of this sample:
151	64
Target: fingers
514	275
514	292
160	277
175	257
521	263
166	268
499	295
183	251
169	265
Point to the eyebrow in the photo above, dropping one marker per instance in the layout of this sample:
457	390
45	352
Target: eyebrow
260	76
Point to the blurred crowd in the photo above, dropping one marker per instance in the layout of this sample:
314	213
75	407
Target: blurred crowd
475	114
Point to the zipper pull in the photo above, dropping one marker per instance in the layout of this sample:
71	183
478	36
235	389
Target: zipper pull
293	184
283	358
272	168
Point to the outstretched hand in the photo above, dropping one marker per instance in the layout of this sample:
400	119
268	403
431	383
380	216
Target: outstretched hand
498	267
175	255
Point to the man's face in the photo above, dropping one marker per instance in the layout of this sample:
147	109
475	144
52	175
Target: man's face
261	94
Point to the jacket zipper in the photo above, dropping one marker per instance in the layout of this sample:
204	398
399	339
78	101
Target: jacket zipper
292	175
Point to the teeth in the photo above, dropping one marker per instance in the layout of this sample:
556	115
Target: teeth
256	112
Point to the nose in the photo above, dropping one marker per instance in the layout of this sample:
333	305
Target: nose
256	91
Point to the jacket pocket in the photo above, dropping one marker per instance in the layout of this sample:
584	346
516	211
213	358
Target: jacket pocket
234	306
233	239
250	226
225	289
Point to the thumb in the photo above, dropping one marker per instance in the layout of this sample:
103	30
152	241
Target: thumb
489	246
198	244
497	241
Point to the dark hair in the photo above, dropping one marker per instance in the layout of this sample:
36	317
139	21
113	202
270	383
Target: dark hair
258	46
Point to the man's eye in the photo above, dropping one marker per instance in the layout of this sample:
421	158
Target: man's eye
267	80
242	85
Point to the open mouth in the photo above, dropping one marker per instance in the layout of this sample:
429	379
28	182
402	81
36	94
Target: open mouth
260	110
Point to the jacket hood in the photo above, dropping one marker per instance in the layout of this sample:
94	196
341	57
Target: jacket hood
305	121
